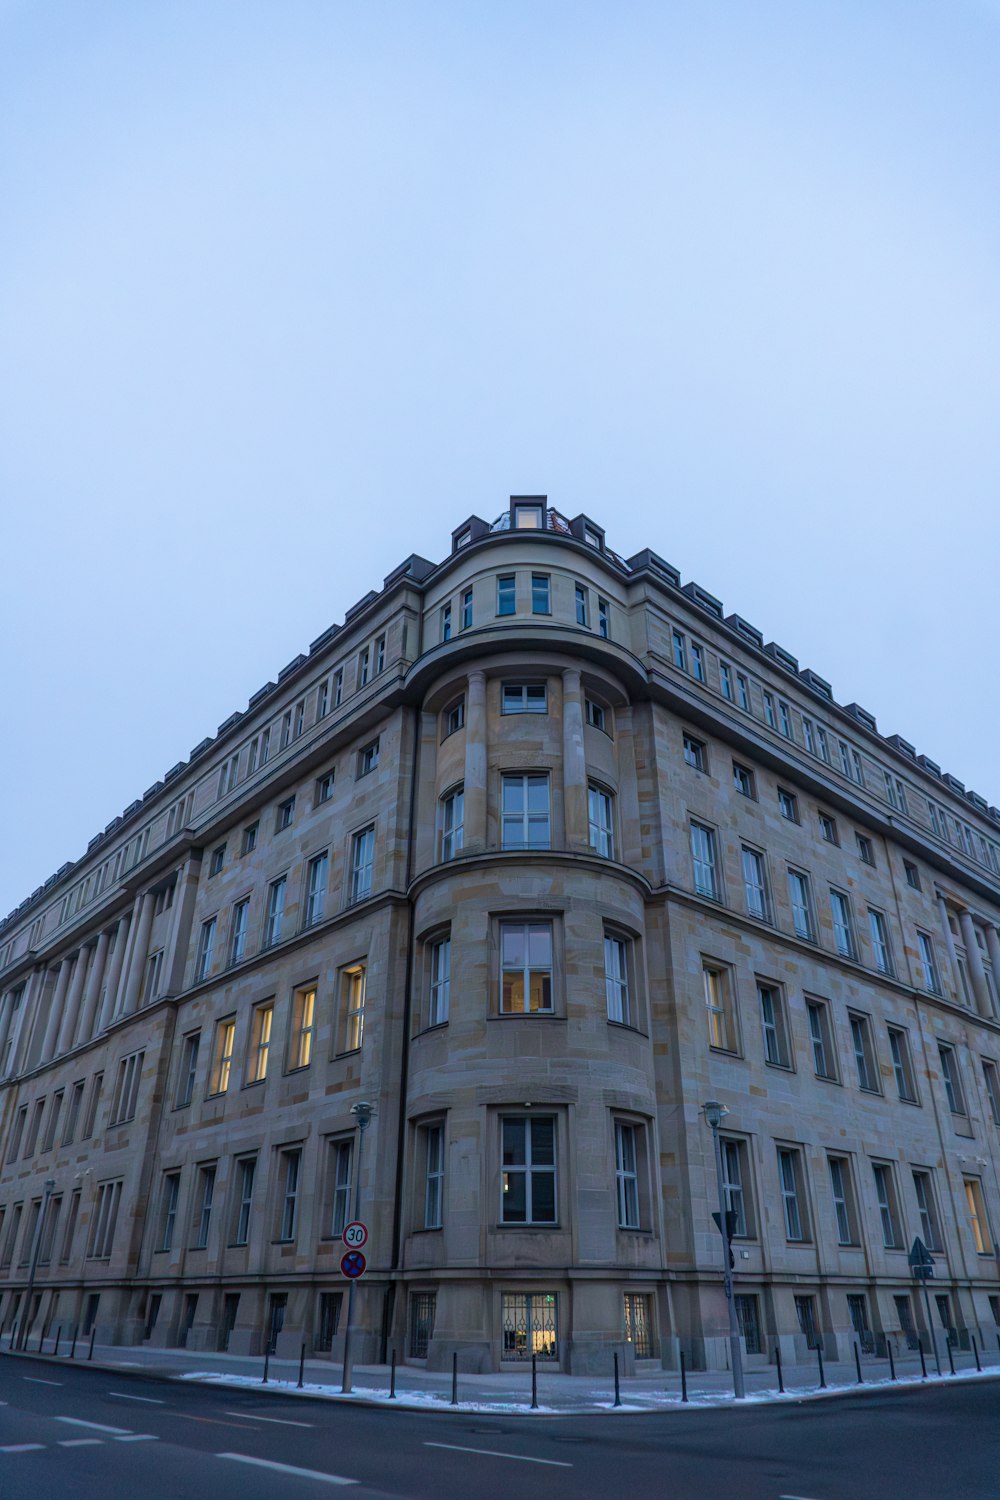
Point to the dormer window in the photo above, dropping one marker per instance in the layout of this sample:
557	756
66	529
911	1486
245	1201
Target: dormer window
592	537
528	516
463	539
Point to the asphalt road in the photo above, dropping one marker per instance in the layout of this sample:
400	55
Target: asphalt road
82	1434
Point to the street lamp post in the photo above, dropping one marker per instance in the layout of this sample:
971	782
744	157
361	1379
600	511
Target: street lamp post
362	1112
714	1113
22	1335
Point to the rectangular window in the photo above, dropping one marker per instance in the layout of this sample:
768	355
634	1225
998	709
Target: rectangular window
300	718
291	1165
53	1120
380	655
188	1070
168	1210
697	662
433	1143
864	1053
524	812
912	874
748	1317
719	1008
772	722
249	841
616	980
885	1193
823	743
453	718
338	687
261	1022
821	1038
526	968
805	1311
150	988
927	964
275	912
319	868
93	1104
300	1042
743	781
788	805
126	1094
440	987
467	610
991	1079
772	1020
354	982
807	735
222	1057
582	610
627	1174
790	1178
680	651
743	692
364	667
341	1166
73	1116
523	698
530	1323
843	1206
879	934
540	601
976	1207
238	931
452	823
528	1155
706	879
446	623
422	1306
735	1177
247	1171
33	1129
726	680
786	719
286	813
203	1206
828	828
597	715
927	1209
368	759
638	1307
902	1065
286	729
601	828
843	926
801	904
604	619
866	849
324	788
206	942
362	863
102	1225
506	594
694	752
755	883
323	699
951	1079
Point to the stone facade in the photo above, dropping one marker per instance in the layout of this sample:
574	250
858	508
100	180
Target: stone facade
535	854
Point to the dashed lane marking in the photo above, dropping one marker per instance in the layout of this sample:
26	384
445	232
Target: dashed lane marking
78	1442
21	1447
149	1400
136	1437
94	1426
268	1463
522	1458
189	1416
35	1380
282	1421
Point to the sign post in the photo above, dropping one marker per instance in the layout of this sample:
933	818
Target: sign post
922	1265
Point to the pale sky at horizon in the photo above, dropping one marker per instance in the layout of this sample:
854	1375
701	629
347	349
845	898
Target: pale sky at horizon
288	290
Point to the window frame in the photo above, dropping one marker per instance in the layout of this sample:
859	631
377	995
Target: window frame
527	970
529	1169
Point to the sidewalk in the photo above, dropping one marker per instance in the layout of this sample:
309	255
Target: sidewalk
509	1392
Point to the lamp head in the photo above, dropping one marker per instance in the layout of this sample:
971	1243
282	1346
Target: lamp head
362	1112
714	1113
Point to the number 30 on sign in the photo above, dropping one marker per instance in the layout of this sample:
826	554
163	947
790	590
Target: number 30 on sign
355	1234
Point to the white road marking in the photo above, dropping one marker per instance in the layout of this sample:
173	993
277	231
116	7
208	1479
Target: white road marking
282	1421
94	1426
78	1442
35	1380
267	1463
522	1458
793	1497
22	1447
136	1437
149	1400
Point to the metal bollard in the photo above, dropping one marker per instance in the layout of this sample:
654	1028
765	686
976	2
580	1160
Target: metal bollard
923	1362
392	1378
93	1335
857	1363
822	1377
684	1378
454	1378
618	1393
892	1362
267	1361
951	1357
975	1350
302	1365
777	1360
534	1382
72	1351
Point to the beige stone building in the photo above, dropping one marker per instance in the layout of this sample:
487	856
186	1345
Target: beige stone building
535	853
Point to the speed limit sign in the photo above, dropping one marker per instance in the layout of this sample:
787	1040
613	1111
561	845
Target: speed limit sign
356	1234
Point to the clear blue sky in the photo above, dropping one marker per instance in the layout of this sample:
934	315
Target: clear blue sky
289	289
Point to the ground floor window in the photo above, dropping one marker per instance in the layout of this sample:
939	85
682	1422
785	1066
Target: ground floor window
748	1316
530	1325
90	1316
904	1312
805	1309
639	1323
330	1304
858	1308
152	1312
230	1308
422	1309
278	1307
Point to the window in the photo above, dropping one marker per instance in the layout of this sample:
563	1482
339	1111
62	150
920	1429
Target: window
528	1156
523	698
540	601
524	812
866	849
788	805
126	1094
205	944
807	735
102	1225
885	1193
992	1081
697	662
821	1038
73	1116
440	983
286	729
364	661
338	687
260	1042
879	933
341	1162
168	1210
743	780
582	611
446	623
362	861
422	1306
247	1169
828	828
843	927
206	1195
843	1204
53	1121
319	868
912	874
755	883
300	1042
452	823
150	987
743	692
845	758
799	897
790	1178
769	711
275	912
249	841
735	1176
453	718
238	930
323	699
680	651
597	715
528	517
506	594
706	880
467	610
354	1006
36	1125
188	1069
726	680
291	1164
927	964
977	1216
433	1144
902	1066
217	860
300	718
927	1209
599	813
368	759
694	752
324	788
222	1057
864	1053
604	619
823	743
719	1006
748	1317
786	719
616	982
93	1104
286	812
951	1079
638	1308
526	968
627	1174
772	1020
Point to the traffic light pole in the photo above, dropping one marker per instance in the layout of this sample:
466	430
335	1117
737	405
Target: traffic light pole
735	1348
